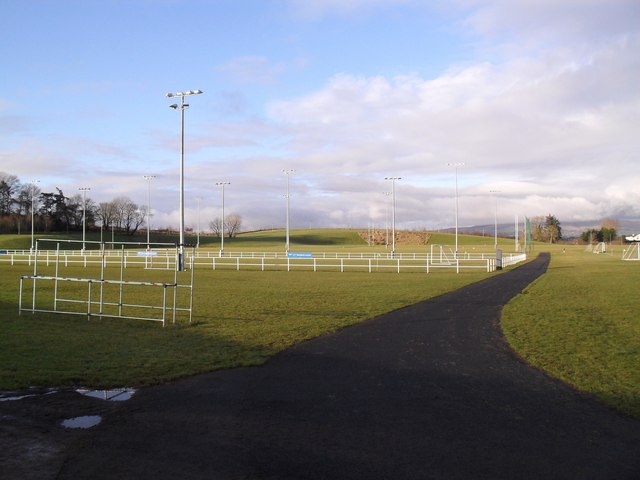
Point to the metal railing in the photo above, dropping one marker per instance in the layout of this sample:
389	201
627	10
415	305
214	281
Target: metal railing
105	294
165	259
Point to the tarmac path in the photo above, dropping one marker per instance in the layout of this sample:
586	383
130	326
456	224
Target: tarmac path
430	391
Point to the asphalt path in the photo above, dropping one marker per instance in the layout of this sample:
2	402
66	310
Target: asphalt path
430	391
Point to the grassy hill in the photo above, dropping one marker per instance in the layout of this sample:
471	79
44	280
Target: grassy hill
299	239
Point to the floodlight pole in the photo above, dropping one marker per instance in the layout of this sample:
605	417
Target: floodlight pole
456	165
198	222
148	178
221	185
182	106
495	241
84	191
33	194
393	213
386	221
288	173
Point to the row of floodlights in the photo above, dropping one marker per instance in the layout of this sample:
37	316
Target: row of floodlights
184	94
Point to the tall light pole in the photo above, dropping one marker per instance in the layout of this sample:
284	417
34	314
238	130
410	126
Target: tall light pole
495	241
84	191
148	178
33	207
455	166
288	173
386	220
393	213
221	185
197	222
182	107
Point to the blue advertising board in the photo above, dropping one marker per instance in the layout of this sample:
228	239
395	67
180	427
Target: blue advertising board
300	255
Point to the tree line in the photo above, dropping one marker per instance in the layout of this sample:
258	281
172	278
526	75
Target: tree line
548	229
54	211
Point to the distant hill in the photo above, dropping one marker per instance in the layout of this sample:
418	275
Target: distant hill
569	229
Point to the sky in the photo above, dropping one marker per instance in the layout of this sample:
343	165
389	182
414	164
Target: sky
524	107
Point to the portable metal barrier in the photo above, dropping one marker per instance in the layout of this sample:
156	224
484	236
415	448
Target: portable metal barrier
115	296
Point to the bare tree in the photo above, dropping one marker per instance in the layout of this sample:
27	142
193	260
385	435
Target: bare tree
128	216
216	226
106	213
232	224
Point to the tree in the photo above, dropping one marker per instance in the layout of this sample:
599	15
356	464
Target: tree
554	231
589	236
9	185
54	210
75	209
232	224
128	215
106	213
216	226
546	229
609	229
607	232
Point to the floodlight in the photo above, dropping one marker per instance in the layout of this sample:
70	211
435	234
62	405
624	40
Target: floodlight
182	106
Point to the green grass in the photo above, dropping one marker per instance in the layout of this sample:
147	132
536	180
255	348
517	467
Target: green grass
240	318
265	240
581	323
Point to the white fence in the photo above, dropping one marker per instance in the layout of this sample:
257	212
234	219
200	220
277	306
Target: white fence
261	261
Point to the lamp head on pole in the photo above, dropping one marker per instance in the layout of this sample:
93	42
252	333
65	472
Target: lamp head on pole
184	94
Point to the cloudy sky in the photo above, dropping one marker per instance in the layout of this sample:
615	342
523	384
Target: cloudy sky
538	99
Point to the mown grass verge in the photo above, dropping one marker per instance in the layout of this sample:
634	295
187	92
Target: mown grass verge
581	323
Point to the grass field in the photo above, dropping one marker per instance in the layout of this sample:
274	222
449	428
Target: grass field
581	323
578	322
240	318
268	240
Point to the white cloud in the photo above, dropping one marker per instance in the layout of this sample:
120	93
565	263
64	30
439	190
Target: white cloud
562	129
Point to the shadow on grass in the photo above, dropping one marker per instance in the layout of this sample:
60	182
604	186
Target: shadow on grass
46	350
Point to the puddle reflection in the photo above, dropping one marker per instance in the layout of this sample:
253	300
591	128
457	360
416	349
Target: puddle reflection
114	395
86	421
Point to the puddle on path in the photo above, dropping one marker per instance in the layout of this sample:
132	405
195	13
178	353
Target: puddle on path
7	397
86	421
114	395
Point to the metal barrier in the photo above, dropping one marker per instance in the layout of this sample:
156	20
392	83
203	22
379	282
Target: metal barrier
105	297
165	259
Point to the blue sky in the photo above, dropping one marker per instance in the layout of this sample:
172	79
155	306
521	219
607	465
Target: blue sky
538	99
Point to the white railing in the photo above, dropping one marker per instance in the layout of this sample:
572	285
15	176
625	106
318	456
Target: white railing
513	258
336	261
